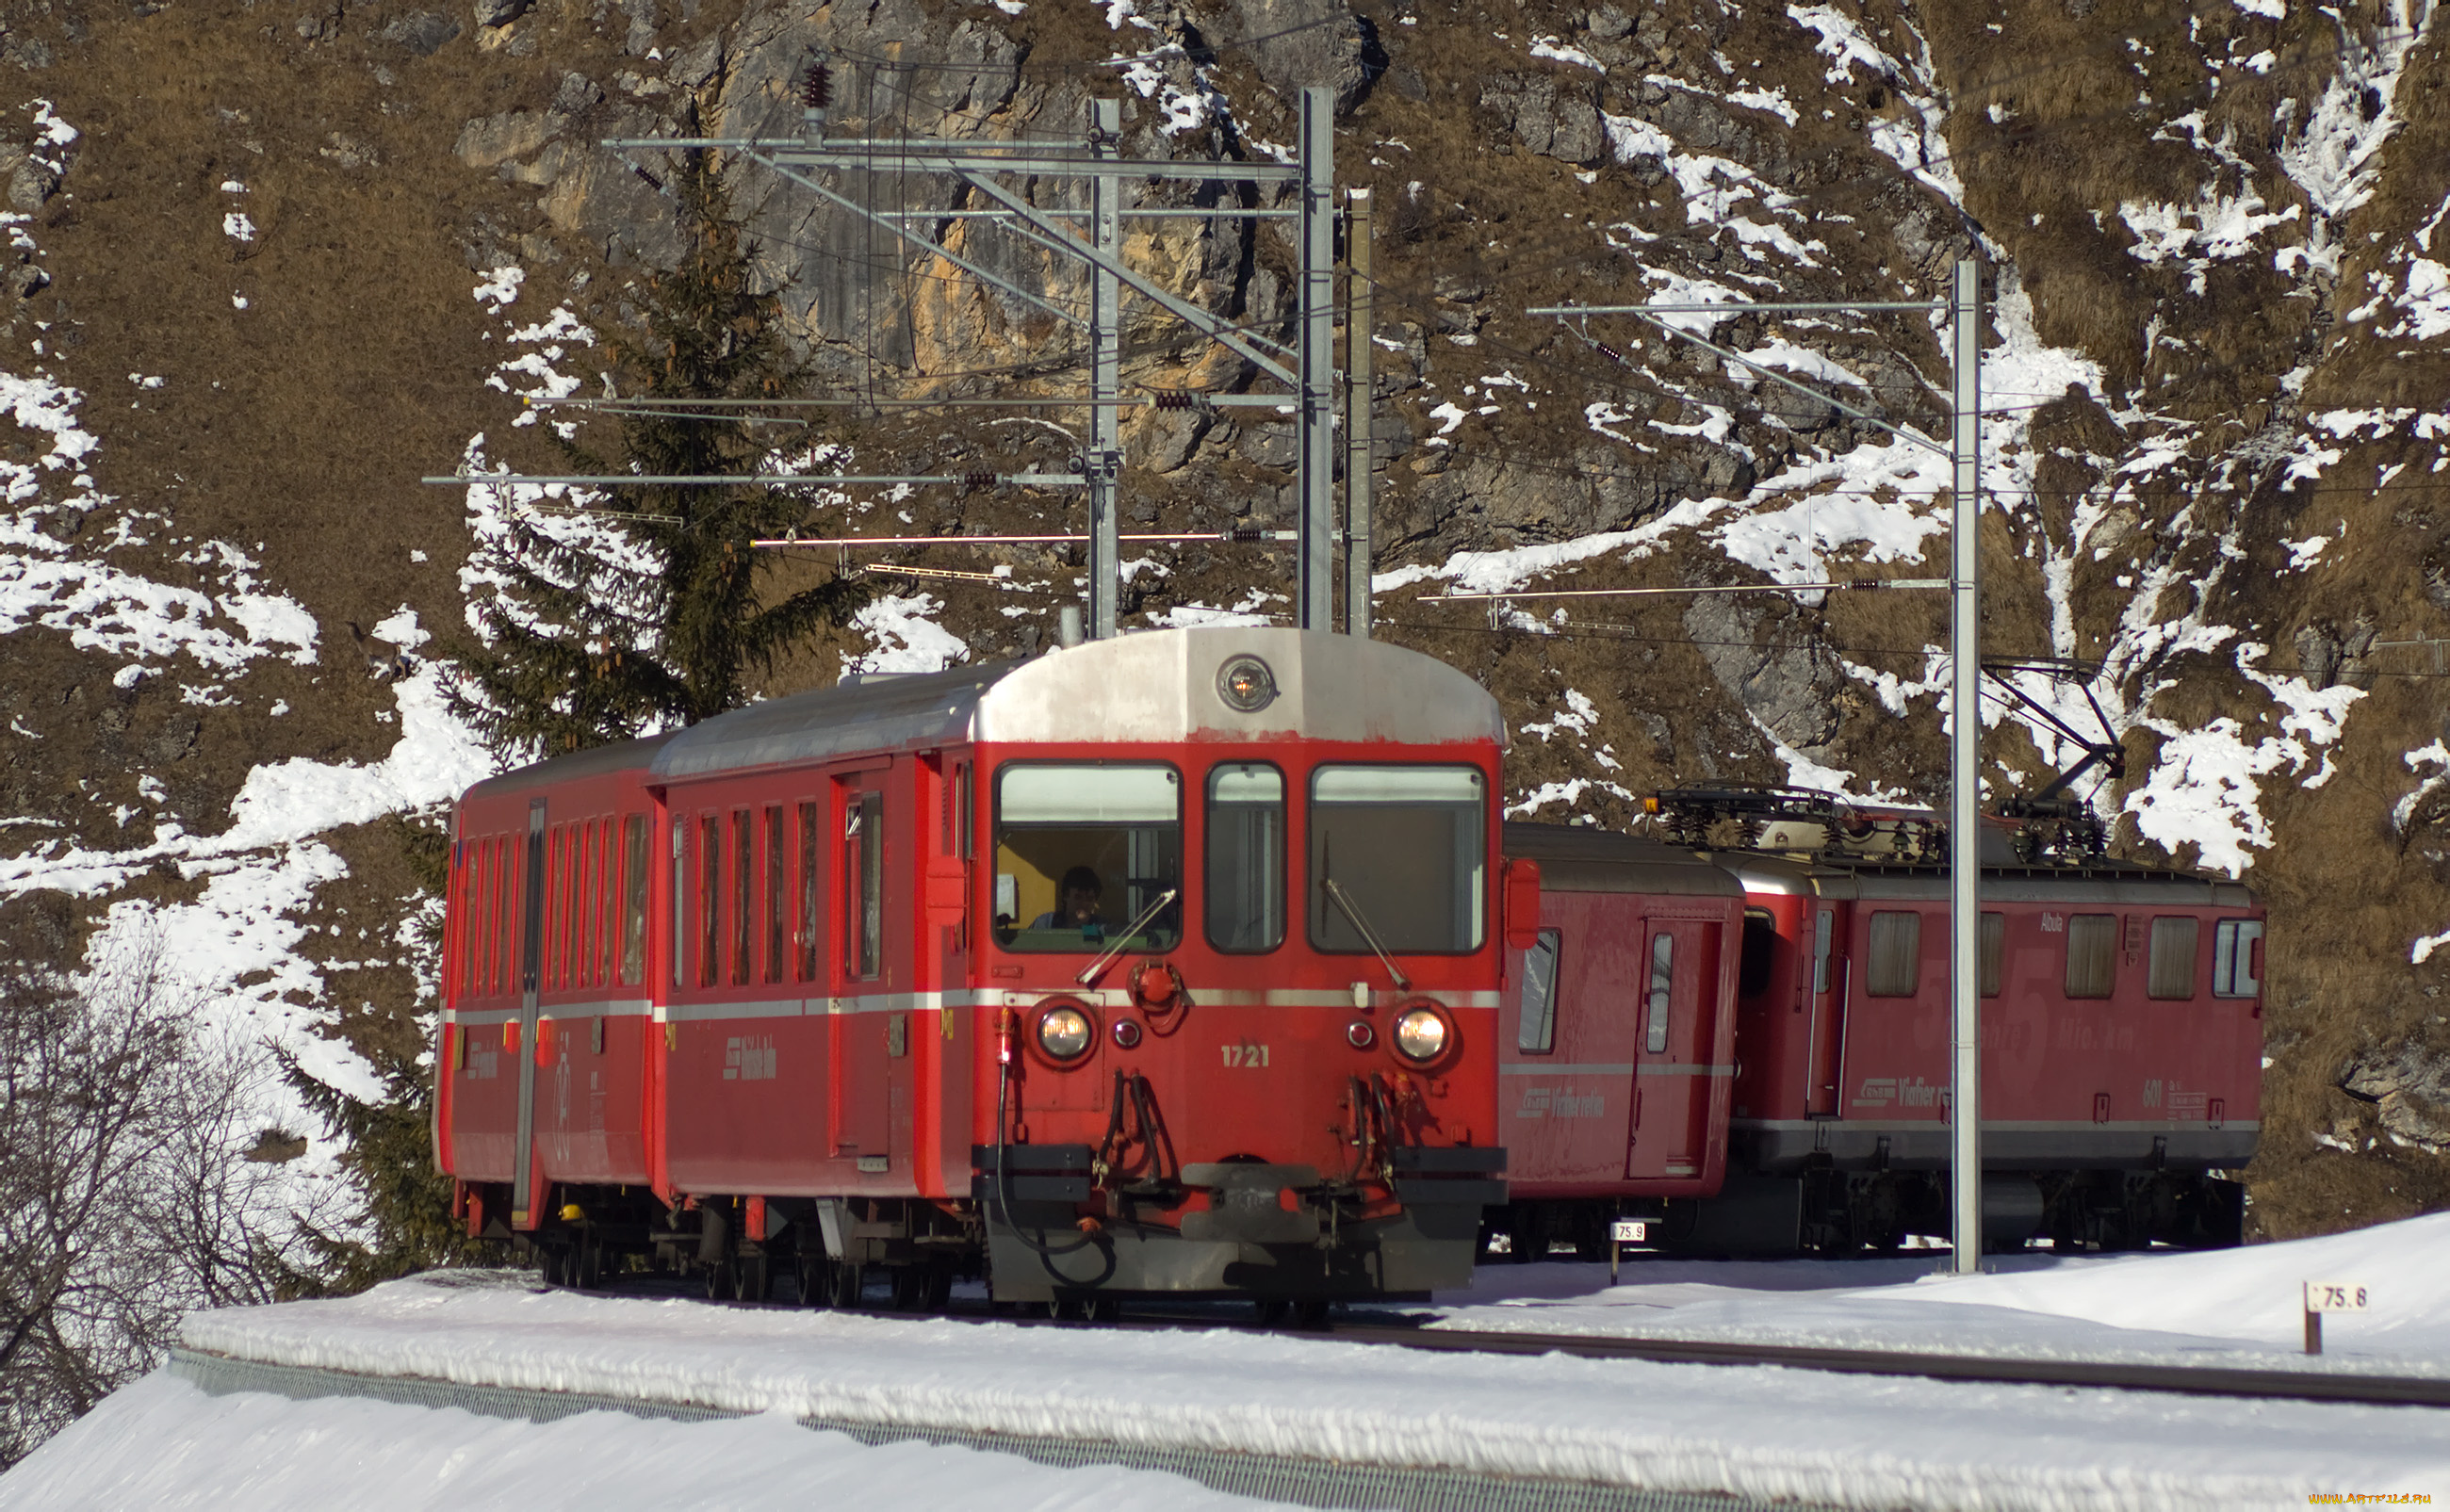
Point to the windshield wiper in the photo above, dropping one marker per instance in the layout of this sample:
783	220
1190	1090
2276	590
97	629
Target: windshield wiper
1352	910
1089	972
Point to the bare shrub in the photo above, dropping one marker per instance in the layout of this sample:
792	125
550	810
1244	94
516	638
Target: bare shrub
128	1194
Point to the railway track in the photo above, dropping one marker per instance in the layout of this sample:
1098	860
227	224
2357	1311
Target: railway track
2217	1381
1392	1330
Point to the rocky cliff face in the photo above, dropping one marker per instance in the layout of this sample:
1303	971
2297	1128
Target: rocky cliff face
273	263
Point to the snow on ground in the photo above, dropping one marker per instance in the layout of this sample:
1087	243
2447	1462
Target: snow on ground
164	1444
1745	1430
2234	1307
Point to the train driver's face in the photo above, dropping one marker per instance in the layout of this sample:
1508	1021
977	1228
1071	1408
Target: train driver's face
1079	904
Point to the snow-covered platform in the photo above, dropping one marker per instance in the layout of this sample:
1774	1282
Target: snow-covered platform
1521	1428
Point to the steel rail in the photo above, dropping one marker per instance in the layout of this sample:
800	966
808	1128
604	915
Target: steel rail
2187	1380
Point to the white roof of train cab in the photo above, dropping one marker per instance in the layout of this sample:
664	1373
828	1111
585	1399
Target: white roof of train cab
1157	687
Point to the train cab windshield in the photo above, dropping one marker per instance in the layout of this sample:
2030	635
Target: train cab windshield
1406	846
1084	853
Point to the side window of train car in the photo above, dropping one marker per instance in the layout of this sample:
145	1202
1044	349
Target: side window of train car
863	868
551	964
1896	966
675	892
743	915
573	887
778	896
710	900
633	900
1994	946
2233	963
1245	840
2170	974
608	902
1663	989
1088	856
811	921
1537	1034
2091	954
505	880
463	975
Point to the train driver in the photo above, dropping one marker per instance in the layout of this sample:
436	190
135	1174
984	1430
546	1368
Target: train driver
1083	898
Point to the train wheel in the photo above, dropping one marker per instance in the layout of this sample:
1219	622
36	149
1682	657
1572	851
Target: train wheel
755	1279
587	1271
940	1290
816	1280
1310	1313
849	1282
552	1266
1273	1312
910	1289
722	1280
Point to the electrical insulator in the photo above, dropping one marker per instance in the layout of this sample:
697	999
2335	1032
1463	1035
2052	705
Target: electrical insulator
1245	533
1609	352
817	87
1172	400
978	480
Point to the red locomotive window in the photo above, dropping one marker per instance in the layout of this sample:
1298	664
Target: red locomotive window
2171	972
778	896
710	900
505	875
2092	955
467	859
1994	945
546	964
1086	855
1245	847
744	859
2235	972
1661	993
633	899
1537	1033
812	838
573	887
1407	850
1896	966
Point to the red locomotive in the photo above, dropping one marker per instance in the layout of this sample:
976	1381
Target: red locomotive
1165	964
1743	1035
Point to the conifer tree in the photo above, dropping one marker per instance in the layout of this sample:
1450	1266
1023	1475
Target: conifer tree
652	610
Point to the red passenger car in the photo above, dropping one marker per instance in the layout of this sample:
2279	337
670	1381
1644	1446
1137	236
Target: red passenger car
1745	1037
1164	964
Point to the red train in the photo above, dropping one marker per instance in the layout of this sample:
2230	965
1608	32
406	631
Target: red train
1167	964
1743	1036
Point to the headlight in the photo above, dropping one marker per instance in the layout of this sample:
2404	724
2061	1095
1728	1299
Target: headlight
1064	1033
1421	1035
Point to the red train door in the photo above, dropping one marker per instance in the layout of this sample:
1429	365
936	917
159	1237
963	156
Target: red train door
1675	1018
1829	968
940	1043
860	1106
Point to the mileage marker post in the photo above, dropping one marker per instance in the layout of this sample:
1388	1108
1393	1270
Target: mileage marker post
2328	1296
